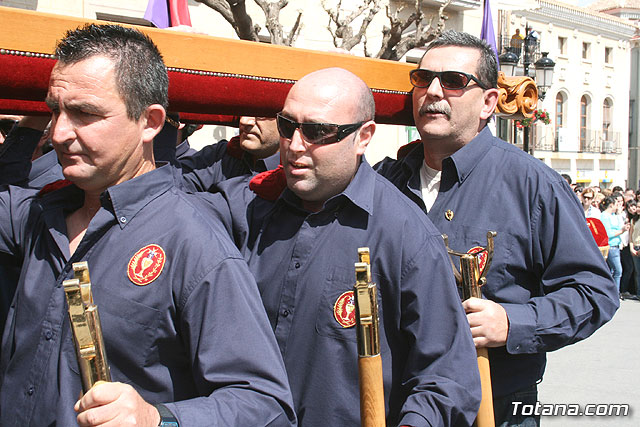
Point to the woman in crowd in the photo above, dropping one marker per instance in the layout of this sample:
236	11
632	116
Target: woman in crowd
614	225
627	282
586	197
634	250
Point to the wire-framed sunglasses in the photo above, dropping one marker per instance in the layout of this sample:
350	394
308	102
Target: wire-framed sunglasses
452	80
315	133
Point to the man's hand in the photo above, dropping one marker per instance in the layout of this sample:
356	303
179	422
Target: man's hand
115	404
488	321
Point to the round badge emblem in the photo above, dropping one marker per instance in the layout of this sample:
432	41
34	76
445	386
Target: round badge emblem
146	265
482	256
344	310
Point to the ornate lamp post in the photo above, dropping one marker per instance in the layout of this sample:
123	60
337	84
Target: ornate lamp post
543	75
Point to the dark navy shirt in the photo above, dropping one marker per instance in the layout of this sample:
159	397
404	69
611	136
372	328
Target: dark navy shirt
16	168
547	271
214	163
304	263
196	337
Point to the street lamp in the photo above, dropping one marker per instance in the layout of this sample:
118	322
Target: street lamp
508	62
544	74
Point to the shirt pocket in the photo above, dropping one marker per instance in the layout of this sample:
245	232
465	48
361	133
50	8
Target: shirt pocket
130	330
468	237
337	312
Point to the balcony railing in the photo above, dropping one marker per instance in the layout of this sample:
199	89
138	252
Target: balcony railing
545	138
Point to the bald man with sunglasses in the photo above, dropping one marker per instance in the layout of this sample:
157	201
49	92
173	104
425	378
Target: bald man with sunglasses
300	232
548	285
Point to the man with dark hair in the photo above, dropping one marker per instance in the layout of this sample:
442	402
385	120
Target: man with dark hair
187	338
548	285
302	243
250	152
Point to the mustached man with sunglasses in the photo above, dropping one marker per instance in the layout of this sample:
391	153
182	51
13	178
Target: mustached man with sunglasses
548	285
301	241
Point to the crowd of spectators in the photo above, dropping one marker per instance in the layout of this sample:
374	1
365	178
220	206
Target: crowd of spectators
617	208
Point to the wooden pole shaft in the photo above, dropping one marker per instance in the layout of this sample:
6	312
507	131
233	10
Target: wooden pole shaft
372	412
485	413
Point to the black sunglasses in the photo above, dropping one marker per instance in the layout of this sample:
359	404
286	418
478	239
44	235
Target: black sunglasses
316	133
448	79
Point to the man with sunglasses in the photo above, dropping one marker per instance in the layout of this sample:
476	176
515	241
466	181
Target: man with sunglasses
548	285
301	241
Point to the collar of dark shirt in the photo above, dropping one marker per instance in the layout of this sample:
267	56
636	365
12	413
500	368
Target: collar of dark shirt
360	191
129	197
462	161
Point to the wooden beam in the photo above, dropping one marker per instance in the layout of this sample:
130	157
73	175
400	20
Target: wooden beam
31	31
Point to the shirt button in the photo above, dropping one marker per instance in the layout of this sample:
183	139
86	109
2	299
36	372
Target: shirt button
48	335
30	391
123	219
285	313
297	265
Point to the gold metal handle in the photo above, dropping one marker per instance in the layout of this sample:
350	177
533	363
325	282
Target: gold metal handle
86	328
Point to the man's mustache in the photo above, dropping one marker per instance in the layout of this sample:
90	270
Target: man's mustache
435	107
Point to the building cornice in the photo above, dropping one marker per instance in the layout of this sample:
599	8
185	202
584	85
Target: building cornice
584	20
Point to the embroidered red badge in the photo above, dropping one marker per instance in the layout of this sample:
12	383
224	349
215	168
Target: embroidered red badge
344	310
482	257
146	265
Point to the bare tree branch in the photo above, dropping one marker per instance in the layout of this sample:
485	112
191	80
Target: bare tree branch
343	28
395	45
235	13
295	30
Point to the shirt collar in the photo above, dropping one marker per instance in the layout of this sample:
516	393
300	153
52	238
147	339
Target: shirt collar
129	197
360	191
467	158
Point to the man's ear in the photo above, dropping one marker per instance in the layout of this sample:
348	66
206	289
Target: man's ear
490	103
366	133
153	121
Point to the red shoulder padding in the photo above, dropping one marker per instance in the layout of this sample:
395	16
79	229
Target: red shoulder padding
405	149
234	149
53	186
598	231
270	184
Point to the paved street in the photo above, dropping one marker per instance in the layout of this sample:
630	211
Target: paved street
604	368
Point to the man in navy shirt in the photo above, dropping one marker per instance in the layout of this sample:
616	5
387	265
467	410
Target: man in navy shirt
548	285
252	151
302	245
187	338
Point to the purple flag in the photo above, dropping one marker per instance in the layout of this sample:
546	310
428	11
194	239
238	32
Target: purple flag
158	13
487	33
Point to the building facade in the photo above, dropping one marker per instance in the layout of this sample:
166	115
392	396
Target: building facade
588	103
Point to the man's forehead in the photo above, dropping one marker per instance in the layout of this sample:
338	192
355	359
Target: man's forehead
85	79
85	71
451	58
324	104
